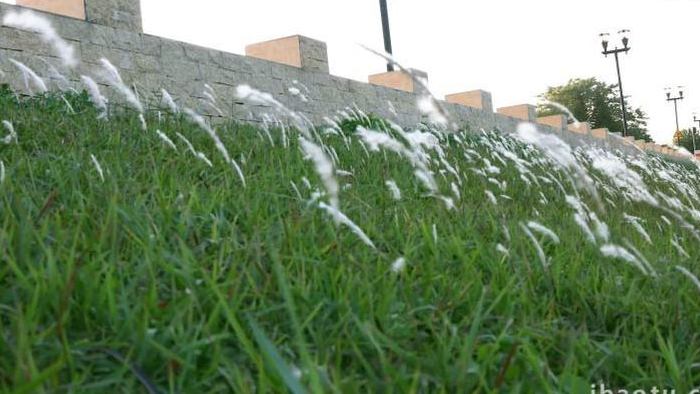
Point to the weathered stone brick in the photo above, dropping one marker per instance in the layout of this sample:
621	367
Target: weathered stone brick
122	14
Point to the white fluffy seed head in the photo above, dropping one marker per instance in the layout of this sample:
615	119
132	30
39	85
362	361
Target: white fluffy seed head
142	121
491	197
199	120
114	79
98	167
163	137
96	97
618	252
324	168
28	75
544	231
394	189
11	134
168	102
690	275
340	218
398	265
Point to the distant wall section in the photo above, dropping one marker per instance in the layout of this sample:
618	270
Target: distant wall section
294	70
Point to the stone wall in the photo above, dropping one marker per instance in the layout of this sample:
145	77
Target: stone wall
150	63
122	14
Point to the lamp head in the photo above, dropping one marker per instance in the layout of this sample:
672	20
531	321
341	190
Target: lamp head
604	37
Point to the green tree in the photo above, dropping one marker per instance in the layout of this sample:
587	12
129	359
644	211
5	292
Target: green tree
596	102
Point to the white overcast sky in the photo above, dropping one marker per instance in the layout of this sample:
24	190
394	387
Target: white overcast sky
512	48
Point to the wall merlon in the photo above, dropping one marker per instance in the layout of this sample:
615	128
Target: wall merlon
525	112
120	14
297	51
70	8
601	133
641	144
480	99
559	122
580	128
398	80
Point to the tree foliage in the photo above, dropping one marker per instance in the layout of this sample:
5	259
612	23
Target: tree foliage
596	102
686	139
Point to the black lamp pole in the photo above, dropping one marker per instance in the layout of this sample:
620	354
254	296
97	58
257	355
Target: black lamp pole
675	100
387	32
616	52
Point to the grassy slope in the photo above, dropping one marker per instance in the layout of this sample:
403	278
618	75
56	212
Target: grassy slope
168	265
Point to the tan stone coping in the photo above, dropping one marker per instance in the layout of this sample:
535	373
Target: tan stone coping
285	50
71	8
480	99
580	128
526	112
601	133
557	121
398	80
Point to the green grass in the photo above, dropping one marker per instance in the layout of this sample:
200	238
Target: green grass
171	276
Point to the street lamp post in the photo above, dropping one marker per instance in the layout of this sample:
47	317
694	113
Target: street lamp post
387	32
675	99
606	51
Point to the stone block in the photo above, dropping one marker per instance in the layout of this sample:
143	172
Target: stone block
71	8
601	133
314	55
525	112
476	99
124	39
297	51
19	40
183	69
146	63
198	54
400	80
92	53
580	128
119	14
559	122
121	59
151	44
